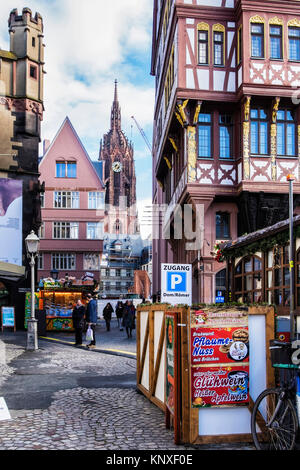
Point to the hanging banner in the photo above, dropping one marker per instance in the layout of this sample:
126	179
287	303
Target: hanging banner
171	345
219	358
11	210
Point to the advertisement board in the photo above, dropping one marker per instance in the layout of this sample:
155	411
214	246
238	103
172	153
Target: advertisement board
11	210
176	283
219	358
170	362
8	317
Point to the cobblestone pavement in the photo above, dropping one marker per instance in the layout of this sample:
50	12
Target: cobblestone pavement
66	398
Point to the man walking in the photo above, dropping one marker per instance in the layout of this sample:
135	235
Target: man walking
91	318
78	321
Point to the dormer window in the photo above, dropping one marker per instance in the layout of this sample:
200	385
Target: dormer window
66	170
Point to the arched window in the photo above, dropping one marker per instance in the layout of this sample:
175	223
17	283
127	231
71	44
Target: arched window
117	226
248	280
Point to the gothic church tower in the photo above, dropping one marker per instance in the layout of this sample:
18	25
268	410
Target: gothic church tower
116	153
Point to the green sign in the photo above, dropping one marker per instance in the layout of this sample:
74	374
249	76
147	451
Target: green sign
28	305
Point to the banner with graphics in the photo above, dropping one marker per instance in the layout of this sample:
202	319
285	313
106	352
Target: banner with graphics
171	351
11	210
219	358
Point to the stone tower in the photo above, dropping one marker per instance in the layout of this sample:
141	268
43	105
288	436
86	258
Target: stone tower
116	152
21	113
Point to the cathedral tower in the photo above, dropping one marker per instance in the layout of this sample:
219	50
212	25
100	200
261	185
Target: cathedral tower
116	152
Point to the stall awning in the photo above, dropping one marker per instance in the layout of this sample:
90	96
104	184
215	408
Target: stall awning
11	272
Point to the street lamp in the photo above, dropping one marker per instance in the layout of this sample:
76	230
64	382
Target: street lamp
291	179
32	242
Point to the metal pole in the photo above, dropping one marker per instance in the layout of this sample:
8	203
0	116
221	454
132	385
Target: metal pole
291	256
32	288
32	335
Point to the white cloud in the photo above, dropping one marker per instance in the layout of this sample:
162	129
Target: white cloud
88	45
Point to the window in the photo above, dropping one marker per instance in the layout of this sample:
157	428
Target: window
222	225
63	261
41	233
278	276
91	262
275	42
66	230
225	128
204	136
40	261
294	44
33	71
66	169
218	48
203	47
257	40
66	199
169	80
221	283
33	42
259	132
240	45
96	200
42	199
94	230
286	133
117	226
248	280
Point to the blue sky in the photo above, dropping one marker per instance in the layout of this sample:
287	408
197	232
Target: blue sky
89	44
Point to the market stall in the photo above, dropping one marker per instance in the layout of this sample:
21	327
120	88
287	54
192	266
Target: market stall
205	367
58	299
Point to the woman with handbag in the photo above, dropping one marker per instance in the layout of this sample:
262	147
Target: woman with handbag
129	317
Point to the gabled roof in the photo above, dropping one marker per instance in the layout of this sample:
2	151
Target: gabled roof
94	166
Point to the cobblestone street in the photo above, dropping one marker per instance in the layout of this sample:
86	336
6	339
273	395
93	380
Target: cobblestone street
66	398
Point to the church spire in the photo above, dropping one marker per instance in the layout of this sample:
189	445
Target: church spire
116	111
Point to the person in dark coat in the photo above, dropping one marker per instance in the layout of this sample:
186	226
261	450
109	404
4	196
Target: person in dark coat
78	316
119	314
129	317
91	318
107	311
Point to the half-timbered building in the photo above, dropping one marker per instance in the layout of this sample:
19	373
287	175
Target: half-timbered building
226	123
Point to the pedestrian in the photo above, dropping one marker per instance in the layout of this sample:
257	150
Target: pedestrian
129	317
107	312
119	314
91	318
78	317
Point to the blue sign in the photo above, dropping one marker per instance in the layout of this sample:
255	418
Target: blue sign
220	300
176	281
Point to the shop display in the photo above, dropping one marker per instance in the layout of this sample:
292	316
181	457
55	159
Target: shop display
59	307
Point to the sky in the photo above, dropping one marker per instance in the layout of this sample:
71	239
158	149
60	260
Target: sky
89	44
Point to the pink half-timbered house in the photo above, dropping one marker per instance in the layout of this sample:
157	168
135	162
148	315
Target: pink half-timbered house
73	208
226	123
